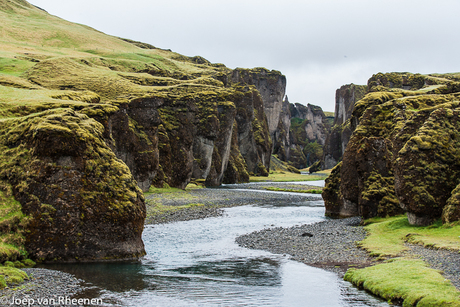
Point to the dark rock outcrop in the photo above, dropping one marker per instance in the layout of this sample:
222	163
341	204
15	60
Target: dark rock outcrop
337	140
282	136
81	201
403	154
271	86
132	134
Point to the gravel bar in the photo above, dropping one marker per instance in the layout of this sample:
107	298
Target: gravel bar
329	244
43	286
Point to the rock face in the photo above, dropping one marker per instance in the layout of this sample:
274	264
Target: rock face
403	155
282	137
132	134
81	201
272	88
337	140
308	131
83	134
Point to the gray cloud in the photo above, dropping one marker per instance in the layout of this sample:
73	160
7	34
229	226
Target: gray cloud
318	45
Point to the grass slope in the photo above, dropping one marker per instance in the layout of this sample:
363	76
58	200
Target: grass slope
403	278
50	68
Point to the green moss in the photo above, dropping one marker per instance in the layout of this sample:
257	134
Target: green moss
407	280
12	275
381	189
28	263
404	278
261	170
12	224
387	236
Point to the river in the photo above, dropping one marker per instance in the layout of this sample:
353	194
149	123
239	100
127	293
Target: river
198	263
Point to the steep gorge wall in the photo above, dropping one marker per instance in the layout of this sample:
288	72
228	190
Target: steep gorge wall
403	155
272	88
308	132
282	137
84	130
337	140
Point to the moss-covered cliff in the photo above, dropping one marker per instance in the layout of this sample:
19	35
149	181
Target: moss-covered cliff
403	154
88	121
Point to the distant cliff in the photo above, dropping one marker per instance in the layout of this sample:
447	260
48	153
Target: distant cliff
337	139
308	129
404	154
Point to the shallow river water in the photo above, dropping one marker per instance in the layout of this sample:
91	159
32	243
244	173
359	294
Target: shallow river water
198	263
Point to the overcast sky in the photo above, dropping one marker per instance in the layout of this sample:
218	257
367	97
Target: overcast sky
319	45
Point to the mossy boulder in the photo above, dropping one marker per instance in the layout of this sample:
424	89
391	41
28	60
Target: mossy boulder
81	201
451	211
428	166
332	197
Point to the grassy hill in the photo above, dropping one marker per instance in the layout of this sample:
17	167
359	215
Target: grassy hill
81	133
55	77
41	53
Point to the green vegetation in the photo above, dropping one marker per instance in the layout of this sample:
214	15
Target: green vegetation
276	165
387	236
284	177
407	280
12	223
11	275
157	209
404	278
164	190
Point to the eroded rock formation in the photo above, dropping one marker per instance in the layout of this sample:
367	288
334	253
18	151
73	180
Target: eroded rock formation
81	201
337	140
403	155
83	133
308	132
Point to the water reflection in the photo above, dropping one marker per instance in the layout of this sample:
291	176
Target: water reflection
113	276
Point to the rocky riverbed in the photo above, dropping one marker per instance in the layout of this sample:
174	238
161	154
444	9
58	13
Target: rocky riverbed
44	288
329	245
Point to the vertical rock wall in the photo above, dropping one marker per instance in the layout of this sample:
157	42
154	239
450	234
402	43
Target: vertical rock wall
337	140
308	132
